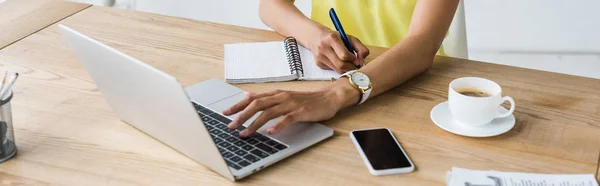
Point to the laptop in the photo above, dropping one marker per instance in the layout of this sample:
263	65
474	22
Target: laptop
188	120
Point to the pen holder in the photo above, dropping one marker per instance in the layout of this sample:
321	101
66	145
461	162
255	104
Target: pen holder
8	146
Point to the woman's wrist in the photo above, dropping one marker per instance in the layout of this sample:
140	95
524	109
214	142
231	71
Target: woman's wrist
343	93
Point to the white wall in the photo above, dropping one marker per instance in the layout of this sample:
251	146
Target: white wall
552	35
534	25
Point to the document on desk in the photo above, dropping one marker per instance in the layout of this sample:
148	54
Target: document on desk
466	177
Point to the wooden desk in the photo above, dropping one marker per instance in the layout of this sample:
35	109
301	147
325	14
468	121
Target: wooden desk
67	134
20	18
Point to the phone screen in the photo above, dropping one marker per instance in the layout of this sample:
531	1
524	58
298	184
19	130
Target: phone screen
381	149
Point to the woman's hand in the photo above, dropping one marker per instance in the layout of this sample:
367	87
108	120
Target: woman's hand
293	106
330	52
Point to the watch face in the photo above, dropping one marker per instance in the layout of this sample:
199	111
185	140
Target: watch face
361	79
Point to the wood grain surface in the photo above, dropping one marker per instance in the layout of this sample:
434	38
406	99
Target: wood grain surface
20	18
67	135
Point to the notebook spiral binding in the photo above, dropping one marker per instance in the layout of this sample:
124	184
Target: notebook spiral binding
293	56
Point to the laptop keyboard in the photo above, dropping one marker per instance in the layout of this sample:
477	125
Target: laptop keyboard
238	152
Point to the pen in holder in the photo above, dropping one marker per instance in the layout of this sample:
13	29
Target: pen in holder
8	146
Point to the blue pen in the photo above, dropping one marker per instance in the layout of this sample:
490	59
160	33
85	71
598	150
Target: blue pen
340	29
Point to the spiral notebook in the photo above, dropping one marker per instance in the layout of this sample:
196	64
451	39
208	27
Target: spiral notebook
272	62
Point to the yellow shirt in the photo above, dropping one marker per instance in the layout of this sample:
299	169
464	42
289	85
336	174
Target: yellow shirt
375	22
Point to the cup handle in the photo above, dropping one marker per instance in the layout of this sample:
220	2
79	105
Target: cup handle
512	107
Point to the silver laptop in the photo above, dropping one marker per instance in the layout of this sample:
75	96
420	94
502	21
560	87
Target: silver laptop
188	120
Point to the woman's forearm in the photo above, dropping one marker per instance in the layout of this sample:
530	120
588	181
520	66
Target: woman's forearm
400	63
411	56
397	65
283	17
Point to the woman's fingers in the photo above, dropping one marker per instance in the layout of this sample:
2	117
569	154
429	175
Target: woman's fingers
336	43
291	106
286	121
339	65
263	118
323	62
254	107
246	101
361	50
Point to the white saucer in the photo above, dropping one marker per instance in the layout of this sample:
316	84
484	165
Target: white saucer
440	114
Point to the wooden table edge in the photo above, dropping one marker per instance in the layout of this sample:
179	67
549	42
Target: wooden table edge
50	24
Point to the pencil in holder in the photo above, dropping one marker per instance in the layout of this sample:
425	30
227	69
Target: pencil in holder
8	146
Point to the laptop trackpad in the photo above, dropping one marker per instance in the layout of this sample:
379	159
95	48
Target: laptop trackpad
211	91
226	103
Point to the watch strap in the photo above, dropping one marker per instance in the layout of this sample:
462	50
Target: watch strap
364	94
347	74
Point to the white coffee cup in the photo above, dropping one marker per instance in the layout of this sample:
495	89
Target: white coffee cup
477	111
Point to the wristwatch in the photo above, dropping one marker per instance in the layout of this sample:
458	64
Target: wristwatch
361	82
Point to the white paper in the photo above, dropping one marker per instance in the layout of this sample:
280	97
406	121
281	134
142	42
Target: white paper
311	70
255	60
466	177
267	62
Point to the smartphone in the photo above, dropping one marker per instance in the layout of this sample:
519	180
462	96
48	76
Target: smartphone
381	152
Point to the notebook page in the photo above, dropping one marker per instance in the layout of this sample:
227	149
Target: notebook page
311	70
256	62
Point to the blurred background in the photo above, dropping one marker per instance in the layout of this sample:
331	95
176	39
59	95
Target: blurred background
550	35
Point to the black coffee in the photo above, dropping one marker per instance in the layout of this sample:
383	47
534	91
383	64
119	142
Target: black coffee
473	92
